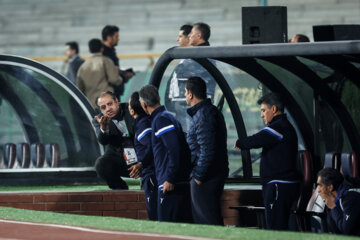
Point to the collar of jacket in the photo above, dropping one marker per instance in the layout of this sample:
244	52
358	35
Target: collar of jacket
140	118
156	111
281	116
109	49
96	54
204	44
192	110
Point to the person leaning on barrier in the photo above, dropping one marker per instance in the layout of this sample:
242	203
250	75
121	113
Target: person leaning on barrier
279	178
97	74
114	130
143	148
171	158
207	139
342	201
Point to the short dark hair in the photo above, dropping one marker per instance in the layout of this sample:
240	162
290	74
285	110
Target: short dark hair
111	94
204	29
95	45
330	176
272	99
197	86
186	28
150	95
302	38
73	45
109	30
136	105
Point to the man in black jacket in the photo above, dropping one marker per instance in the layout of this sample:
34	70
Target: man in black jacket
110	36
114	131
280	181
342	200
207	139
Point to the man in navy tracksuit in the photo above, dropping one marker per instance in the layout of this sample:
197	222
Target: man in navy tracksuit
342	201
207	139
280	181
171	158
145	166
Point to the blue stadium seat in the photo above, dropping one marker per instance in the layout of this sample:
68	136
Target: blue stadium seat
23	155
9	155
52	154
37	155
350	165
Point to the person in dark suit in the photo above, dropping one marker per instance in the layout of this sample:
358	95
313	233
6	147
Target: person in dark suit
73	59
114	130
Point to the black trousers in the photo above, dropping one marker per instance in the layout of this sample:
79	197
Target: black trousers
278	201
111	167
151	192
206	201
175	206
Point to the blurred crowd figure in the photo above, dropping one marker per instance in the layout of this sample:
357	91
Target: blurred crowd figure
110	36
196	36
299	38
98	73
73	60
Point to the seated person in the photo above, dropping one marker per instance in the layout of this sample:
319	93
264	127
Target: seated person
142	144
343	213
113	128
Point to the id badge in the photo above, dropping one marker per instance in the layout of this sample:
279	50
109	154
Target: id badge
130	156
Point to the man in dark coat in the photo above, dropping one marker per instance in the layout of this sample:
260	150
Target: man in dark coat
342	201
114	130
143	147
279	177
171	158
207	139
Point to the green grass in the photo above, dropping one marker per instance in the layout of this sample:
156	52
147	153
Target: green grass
144	226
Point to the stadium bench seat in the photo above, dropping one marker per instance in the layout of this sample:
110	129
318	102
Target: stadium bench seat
332	160
37	155
9	157
349	164
23	155
52	155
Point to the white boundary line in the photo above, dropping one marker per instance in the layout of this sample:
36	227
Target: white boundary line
104	231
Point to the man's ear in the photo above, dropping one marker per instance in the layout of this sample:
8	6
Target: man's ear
331	188
274	109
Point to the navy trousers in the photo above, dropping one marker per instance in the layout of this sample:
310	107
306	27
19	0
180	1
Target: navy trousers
278	201
206	201
175	206
111	167
151	191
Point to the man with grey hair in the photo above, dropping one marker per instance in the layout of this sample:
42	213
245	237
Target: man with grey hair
171	158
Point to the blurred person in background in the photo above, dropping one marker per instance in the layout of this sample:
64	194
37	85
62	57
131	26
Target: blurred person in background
98	73
110	37
299	38
73	60
174	94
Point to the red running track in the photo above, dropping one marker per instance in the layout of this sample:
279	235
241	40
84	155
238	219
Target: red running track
17	230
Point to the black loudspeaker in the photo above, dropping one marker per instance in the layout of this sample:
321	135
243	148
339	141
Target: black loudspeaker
264	25
336	32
